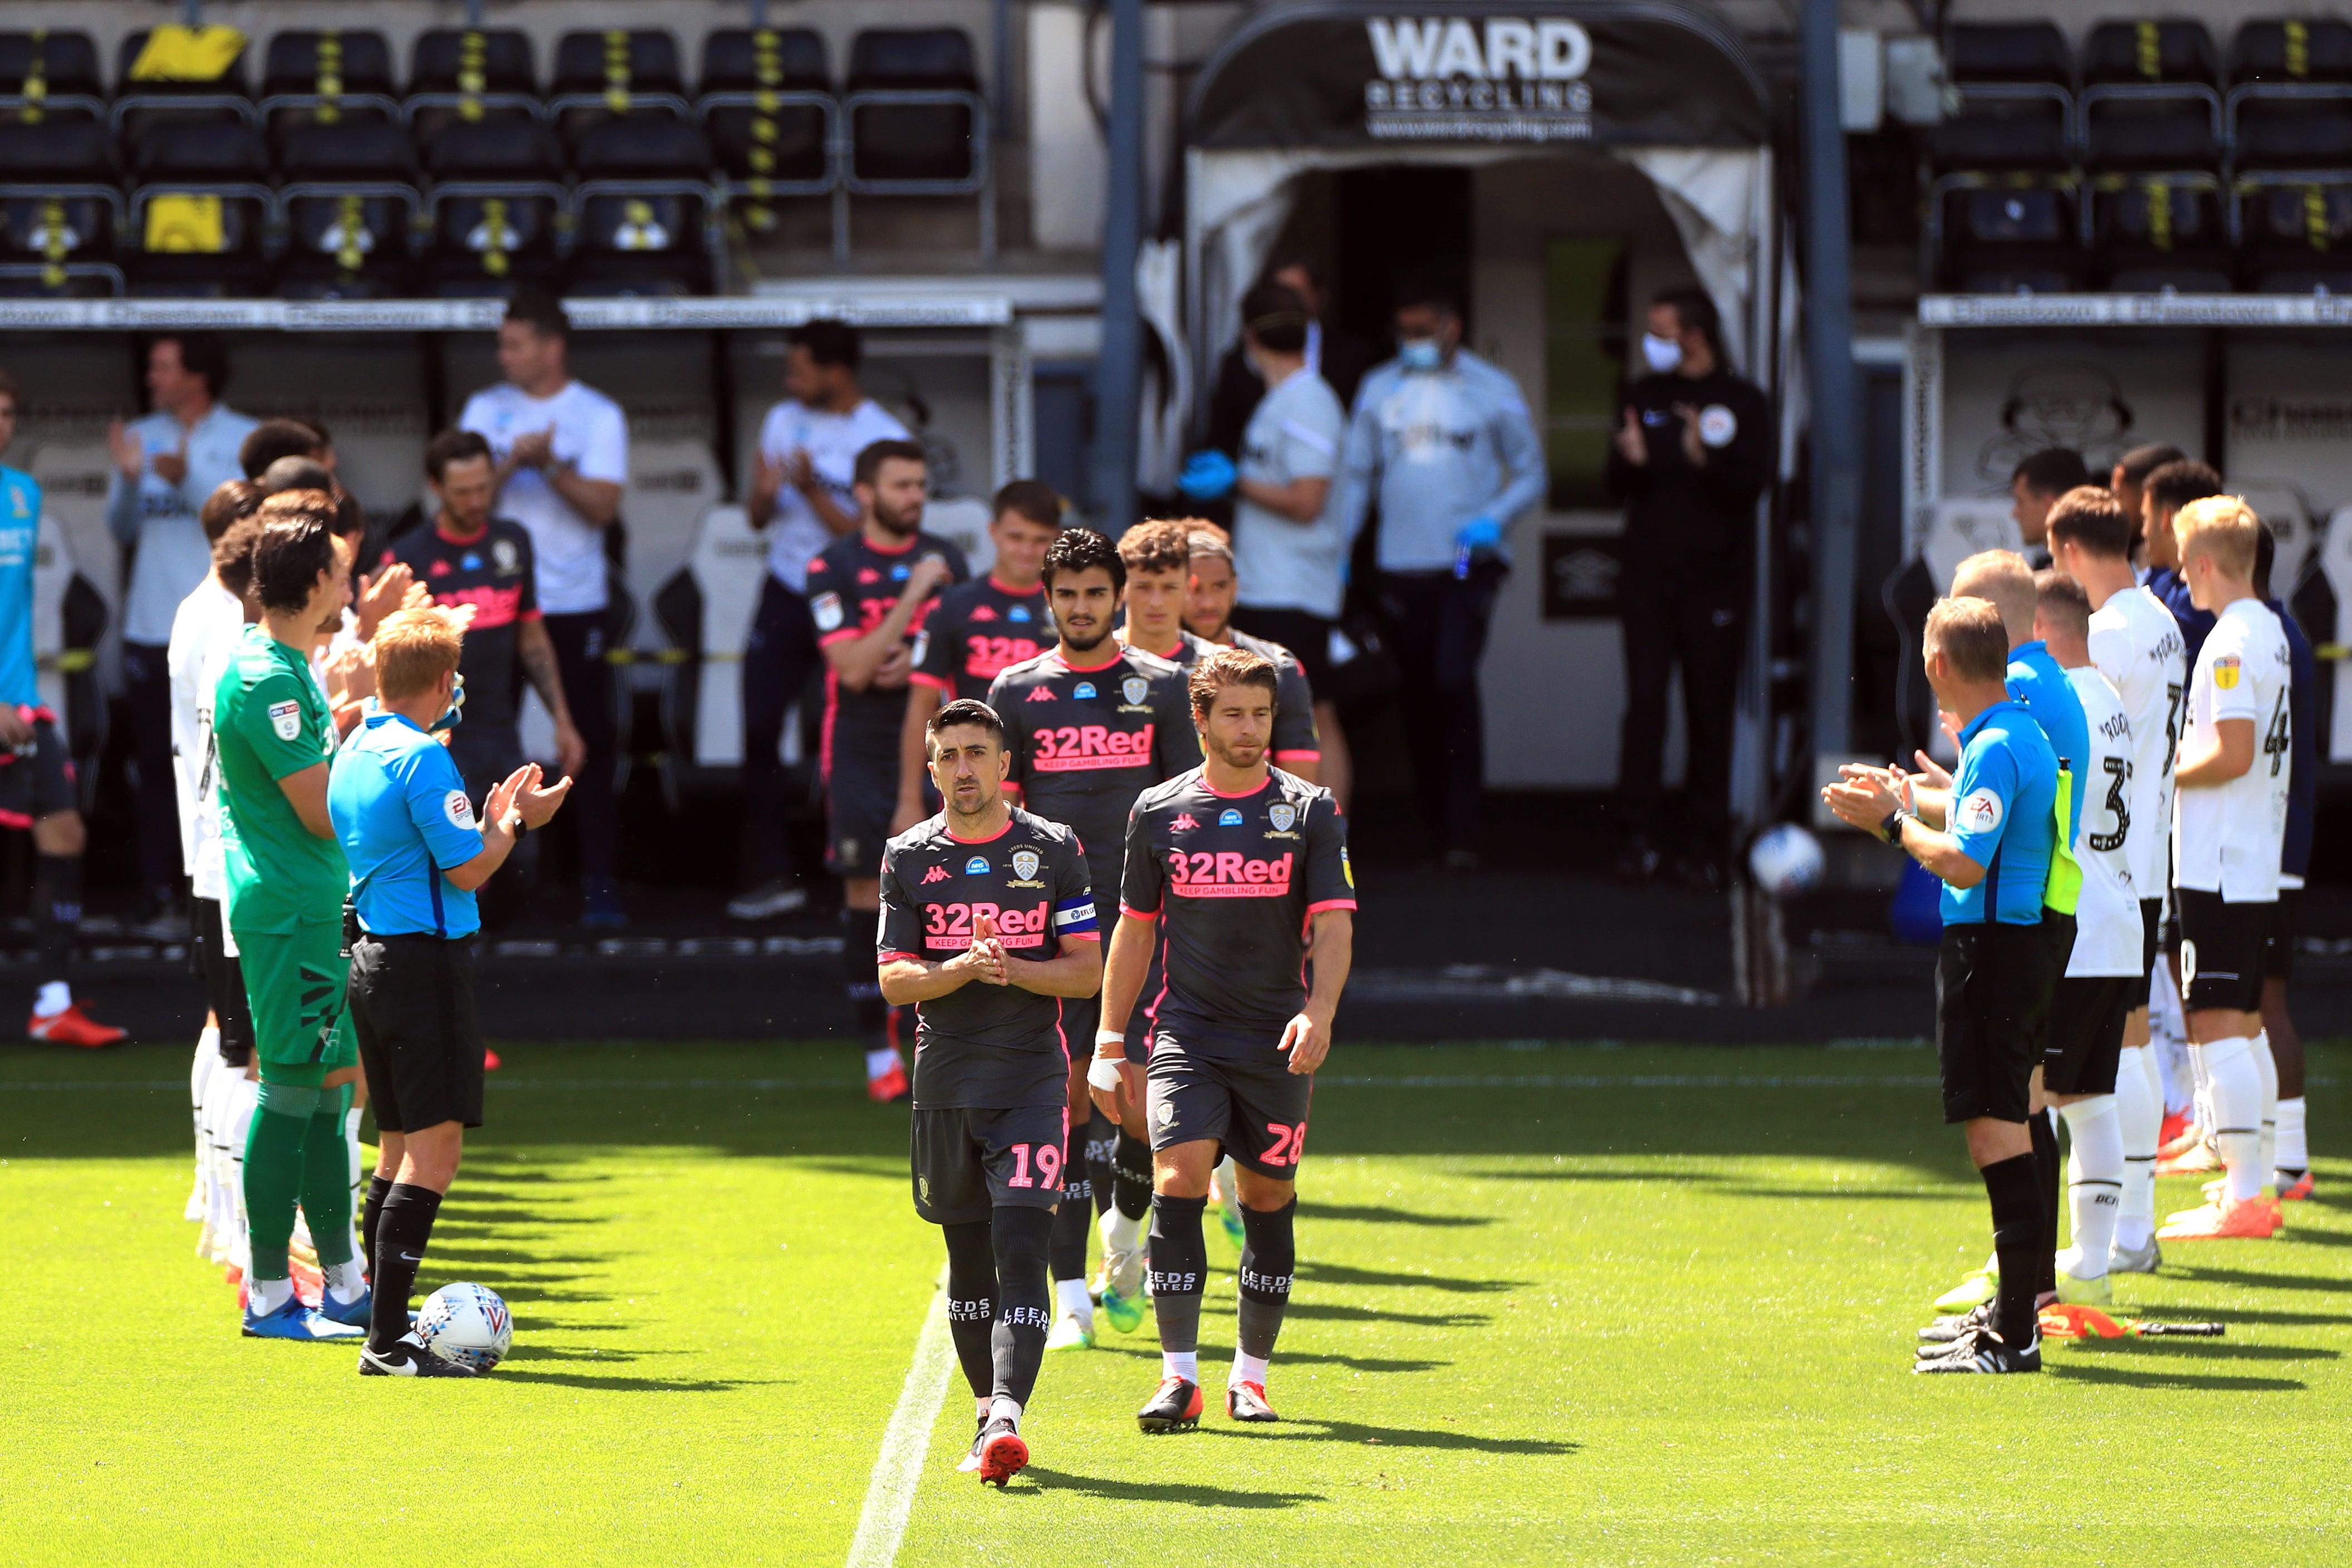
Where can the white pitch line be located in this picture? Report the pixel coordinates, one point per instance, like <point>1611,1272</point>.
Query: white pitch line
<point>899,1468</point>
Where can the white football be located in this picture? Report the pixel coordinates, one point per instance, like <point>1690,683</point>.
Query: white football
<point>465,1324</point>
<point>1785,859</point>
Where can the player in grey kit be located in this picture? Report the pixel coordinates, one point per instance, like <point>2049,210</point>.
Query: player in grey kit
<point>988,922</point>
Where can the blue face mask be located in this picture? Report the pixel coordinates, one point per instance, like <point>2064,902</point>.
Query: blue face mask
<point>1420,354</point>
<point>1661,355</point>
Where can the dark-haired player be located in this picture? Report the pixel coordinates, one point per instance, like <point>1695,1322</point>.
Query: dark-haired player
<point>1209,590</point>
<point>2128,480</point>
<point>988,925</point>
<point>979,630</point>
<point>868,593</point>
<point>282,438</point>
<point>1243,869</point>
<point>1090,725</point>
<point>2034,486</point>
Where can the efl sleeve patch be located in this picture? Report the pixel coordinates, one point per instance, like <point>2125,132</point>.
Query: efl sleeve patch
<point>286,720</point>
<point>826,608</point>
<point>2225,674</point>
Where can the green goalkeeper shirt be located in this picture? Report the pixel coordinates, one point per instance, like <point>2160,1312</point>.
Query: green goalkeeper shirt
<point>270,721</point>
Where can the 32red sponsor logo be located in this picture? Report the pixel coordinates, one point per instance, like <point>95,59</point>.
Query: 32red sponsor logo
<point>949,926</point>
<point>987,656</point>
<point>1228,874</point>
<point>1075,746</point>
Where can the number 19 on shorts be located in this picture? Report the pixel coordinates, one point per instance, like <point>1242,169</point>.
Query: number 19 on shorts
<point>1047,1158</point>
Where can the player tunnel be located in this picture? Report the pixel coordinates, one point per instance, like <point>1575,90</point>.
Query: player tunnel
<point>1557,165</point>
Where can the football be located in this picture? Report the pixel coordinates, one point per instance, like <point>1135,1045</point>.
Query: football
<point>1785,859</point>
<point>465,1324</point>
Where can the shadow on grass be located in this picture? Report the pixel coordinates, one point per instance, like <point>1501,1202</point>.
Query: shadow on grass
<point>461,1212</point>
<point>1361,1363</point>
<point>1295,1430</point>
<point>2208,1349</point>
<point>2241,1315</point>
<point>2213,1382</point>
<point>1341,1274</point>
<point>1167,1491</point>
<point>2257,1280</point>
<point>1335,1312</point>
<point>639,1384</point>
<point>1372,1213</point>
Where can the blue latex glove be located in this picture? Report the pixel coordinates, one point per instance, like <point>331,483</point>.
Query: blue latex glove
<point>1480,533</point>
<point>1208,476</point>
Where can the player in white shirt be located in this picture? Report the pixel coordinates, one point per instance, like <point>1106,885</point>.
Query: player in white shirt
<point>2135,643</point>
<point>562,450</point>
<point>800,494</point>
<point>2228,822</point>
<point>2104,982</point>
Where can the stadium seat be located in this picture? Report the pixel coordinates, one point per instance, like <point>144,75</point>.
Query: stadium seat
<point>469,75</point>
<point>642,209</point>
<point>497,213</point>
<point>614,72</point>
<point>178,75</point>
<point>917,125</point>
<point>329,78</point>
<point>2295,232</point>
<point>1959,528</point>
<point>202,213</point>
<point>2290,102</point>
<point>2154,233</point>
<point>2009,234</point>
<point>767,108</point>
<point>2149,98</point>
<point>60,209</point>
<point>2016,109</point>
<point>349,206</point>
<point>47,74</point>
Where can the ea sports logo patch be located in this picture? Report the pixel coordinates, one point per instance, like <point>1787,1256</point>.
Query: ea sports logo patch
<point>1980,813</point>
<point>1135,689</point>
<point>976,866</point>
<point>286,720</point>
<point>458,809</point>
<point>1024,864</point>
<point>1282,814</point>
<point>1717,425</point>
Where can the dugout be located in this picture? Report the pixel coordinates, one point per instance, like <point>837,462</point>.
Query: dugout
<point>951,358</point>
<point>1560,163</point>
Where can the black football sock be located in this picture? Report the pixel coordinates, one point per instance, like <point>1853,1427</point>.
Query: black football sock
<point>1024,1307</point>
<point>870,1014</point>
<point>2050,1171</point>
<point>972,1301</point>
<point>1073,1215</point>
<point>1131,1178</point>
<point>1269,1257</point>
<point>2018,1231</point>
<point>57,912</point>
<point>371,1217</point>
<point>1179,1270</point>
<point>1102,1135</point>
<point>402,1229</point>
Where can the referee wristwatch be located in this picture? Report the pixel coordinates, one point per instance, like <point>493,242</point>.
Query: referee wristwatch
<point>1892,828</point>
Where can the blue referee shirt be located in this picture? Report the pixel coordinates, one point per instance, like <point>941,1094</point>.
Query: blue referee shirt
<point>400,808</point>
<point>2004,813</point>
<point>2038,681</point>
<point>20,538</point>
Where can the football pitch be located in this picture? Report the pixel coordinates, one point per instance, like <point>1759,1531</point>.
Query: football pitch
<point>1555,1304</point>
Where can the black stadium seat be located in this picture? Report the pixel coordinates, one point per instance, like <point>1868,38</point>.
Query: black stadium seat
<point>469,75</point>
<point>2151,233</point>
<point>2295,232</point>
<point>2006,235</point>
<point>767,107</point>
<point>349,205</point>
<point>2150,98</point>
<point>200,212</point>
<point>332,77</point>
<point>47,74</point>
<point>494,206</point>
<point>2290,106</point>
<point>613,72</point>
<point>642,209</point>
<point>60,208</point>
<point>2016,107</point>
<point>916,123</point>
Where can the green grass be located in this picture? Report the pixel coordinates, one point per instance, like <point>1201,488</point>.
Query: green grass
<point>1661,1318</point>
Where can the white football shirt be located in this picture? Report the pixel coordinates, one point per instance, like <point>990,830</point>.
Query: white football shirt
<point>207,868</point>
<point>592,435</point>
<point>832,441</point>
<point>209,613</point>
<point>1295,432</point>
<point>2107,926</point>
<point>2135,644</point>
<point>2226,837</point>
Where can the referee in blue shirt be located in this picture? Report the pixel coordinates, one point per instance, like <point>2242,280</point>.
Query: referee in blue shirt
<point>1994,851</point>
<point>418,852</point>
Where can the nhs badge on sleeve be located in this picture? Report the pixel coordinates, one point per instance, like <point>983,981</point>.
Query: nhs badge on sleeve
<point>1229,817</point>
<point>1024,865</point>
<point>1135,689</point>
<point>1084,691</point>
<point>1282,814</point>
<point>286,720</point>
<point>976,866</point>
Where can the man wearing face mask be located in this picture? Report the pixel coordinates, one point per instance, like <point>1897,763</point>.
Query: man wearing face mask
<point>1441,440</point>
<point>1692,453</point>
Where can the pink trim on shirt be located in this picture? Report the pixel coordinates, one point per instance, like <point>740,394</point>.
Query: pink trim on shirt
<point>1259,788</point>
<point>1297,756</point>
<point>1117,653</point>
<point>1127,909</point>
<point>1330,904</point>
<point>919,677</point>
<point>989,839</point>
<point>1002,586</point>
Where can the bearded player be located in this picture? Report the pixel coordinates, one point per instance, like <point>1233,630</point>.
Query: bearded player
<point>988,923</point>
<point>1243,869</point>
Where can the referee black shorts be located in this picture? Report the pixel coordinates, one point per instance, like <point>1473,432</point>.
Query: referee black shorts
<point>411,1005</point>
<point>1993,985</point>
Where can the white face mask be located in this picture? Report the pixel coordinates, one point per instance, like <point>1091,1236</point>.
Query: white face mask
<point>1662,354</point>
<point>1420,354</point>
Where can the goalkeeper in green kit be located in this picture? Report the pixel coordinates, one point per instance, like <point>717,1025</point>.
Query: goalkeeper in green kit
<point>273,735</point>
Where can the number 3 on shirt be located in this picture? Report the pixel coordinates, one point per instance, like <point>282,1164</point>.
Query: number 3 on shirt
<point>1049,1166</point>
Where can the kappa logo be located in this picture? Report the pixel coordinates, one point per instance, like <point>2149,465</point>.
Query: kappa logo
<point>1135,689</point>
<point>1282,814</point>
<point>868,574</point>
<point>936,874</point>
<point>983,612</point>
<point>1185,823</point>
<point>1041,694</point>
<point>1980,812</point>
<point>1229,817</point>
<point>1024,864</point>
<point>286,720</point>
